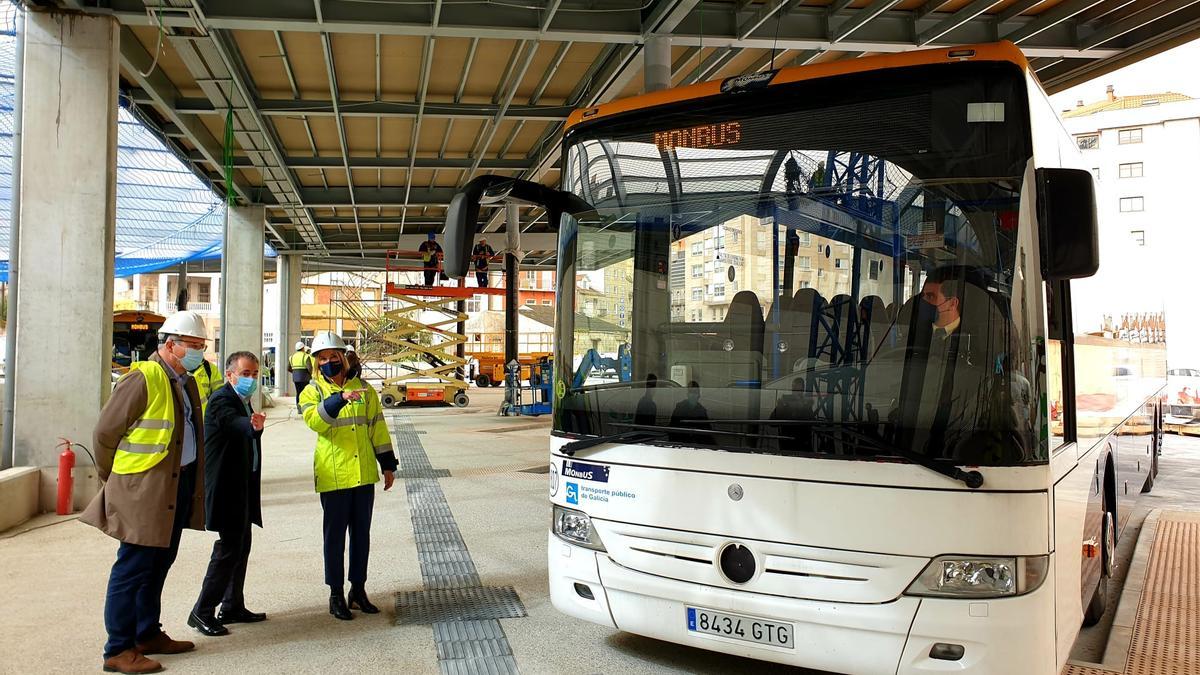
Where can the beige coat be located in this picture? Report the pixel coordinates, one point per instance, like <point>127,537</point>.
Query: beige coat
<point>140,508</point>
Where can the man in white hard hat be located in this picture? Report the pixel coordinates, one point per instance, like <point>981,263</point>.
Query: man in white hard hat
<point>148,445</point>
<point>300,366</point>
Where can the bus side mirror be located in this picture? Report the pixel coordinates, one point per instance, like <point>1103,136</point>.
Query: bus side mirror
<point>1066,200</point>
<point>462,216</point>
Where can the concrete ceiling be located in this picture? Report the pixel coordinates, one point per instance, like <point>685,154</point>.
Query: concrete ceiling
<point>356,120</point>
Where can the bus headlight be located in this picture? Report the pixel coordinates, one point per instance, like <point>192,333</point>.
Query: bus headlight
<point>576,528</point>
<point>953,576</point>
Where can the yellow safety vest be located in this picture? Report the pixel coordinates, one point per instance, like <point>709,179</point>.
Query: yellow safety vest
<point>347,445</point>
<point>205,383</point>
<point>300,361</point>
<point>145,443</point>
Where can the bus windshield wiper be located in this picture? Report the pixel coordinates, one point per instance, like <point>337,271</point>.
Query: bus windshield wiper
<point>972,479</point>
<point>622,437</point>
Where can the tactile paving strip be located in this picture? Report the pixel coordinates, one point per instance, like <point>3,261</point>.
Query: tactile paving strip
<point>458,605</point>
<point>463,613</point>
<point>1166,633</point>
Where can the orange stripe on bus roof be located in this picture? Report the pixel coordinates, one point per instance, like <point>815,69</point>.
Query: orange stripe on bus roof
<point>994,51</point>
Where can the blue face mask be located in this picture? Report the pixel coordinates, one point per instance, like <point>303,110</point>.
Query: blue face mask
<point>246,386</point>
<point>926,313</point>
<point>192,359</point>
<point>331,369</point>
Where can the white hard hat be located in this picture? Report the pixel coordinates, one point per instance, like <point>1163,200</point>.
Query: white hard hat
<point>349,348</point>
<point>185,324</point>
<point>300,344</point>
<point>327,339</point>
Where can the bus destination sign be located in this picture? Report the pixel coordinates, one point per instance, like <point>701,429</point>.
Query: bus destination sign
<point>703,136</point>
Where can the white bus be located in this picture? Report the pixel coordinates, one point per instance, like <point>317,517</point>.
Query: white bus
<point>866,428</point>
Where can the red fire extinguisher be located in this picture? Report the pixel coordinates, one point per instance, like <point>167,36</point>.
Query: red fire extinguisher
<point>66,483</point>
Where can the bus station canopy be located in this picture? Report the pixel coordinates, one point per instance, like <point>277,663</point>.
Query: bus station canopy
<point>355,122</point>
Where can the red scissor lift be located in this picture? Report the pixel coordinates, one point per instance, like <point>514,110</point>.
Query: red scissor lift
<point>425,336</point>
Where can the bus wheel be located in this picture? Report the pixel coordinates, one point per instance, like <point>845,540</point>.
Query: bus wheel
<point>482,380</point>
<point>461,400</point>
<point>388,401</point>
<point>1108,549</point>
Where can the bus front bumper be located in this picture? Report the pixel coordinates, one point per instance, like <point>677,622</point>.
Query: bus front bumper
<point>997,636</point>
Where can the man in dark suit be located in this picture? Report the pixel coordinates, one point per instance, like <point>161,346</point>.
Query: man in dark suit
<point>233,471</point>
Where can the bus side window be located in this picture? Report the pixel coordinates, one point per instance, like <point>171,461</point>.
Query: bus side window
<point>1060,396</point>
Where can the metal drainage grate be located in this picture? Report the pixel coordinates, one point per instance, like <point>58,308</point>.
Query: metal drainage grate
<point>458,604</point>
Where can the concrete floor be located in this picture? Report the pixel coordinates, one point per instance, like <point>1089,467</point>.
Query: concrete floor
<point>53,573</point>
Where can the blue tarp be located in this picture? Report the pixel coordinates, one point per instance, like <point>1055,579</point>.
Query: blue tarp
<point>165,214</point>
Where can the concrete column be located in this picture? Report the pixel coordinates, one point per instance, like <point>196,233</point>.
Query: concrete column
<point>288,273</point>
<point>242,287</point>
<point>657,54</point>
<point>67,215</point>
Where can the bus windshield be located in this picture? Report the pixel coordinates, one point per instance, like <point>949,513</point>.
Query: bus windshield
<point>833,268</point>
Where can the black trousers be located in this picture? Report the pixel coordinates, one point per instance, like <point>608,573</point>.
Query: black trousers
<point>481,278</point>
<point>301,381</point>
<point>134,600</point>
<point>225,580</point>
<point>348,509</point>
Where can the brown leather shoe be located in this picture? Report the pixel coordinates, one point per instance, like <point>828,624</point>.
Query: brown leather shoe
<point>131,661</point>
<point>162,644</point>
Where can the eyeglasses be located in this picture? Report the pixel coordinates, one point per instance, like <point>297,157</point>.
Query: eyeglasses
<point>189,345</point>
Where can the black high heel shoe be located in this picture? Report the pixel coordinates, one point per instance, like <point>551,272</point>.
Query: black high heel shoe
<point>358,597</point>
<point>338,608</point>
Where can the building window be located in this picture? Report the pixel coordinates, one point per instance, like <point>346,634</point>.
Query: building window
<point>1096,172</point>
<point>1127,136</point>
<point>546,302</point>
<point>697,247</point>
<point>805,262</point>
<point>474,305</point>
<point>531,301</point>
<point>204,291</point>
<point>1130,170</point>
<point>873,270</point>
<point>1139,237</point>
<point>697,294</point>
<point>697,271</point>
<point>308,296</point>
<point>1088,141</point>
<point>718,290</point>
<point>839,263</point>
<point>806,239</point>
<point>1132,204</point>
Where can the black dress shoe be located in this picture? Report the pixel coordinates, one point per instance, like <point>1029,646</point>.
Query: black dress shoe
<point>207,625</point>
<point>338,608</point>
<point>358,598</point>
<point>242,615</point>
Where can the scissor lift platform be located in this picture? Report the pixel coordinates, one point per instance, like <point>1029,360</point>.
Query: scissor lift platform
<point>426,350</point>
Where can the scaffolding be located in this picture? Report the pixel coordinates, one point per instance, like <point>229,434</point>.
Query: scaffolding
<point>425,338</point>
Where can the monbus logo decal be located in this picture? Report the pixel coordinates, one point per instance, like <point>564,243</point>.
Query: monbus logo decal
<point>585,471</point>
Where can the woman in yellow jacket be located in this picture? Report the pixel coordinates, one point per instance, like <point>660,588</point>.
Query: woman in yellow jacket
<point>352,437</point>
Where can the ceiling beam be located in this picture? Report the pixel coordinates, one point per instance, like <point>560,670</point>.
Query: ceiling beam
<point>803,27</point>
<point>955,20</point>
<point>319,108</point>
<point>1049,19</point>
<point>1150,14</point>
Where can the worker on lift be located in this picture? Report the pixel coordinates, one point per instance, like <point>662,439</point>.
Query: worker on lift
<point>352,437</point>
<point>431,257</point>
<point>481,254</point>
<point>149,445</point>
<point>300,366</point>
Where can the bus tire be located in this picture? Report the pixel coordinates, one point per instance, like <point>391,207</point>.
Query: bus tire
<point>482,380</point>
<point>1099,602</point>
